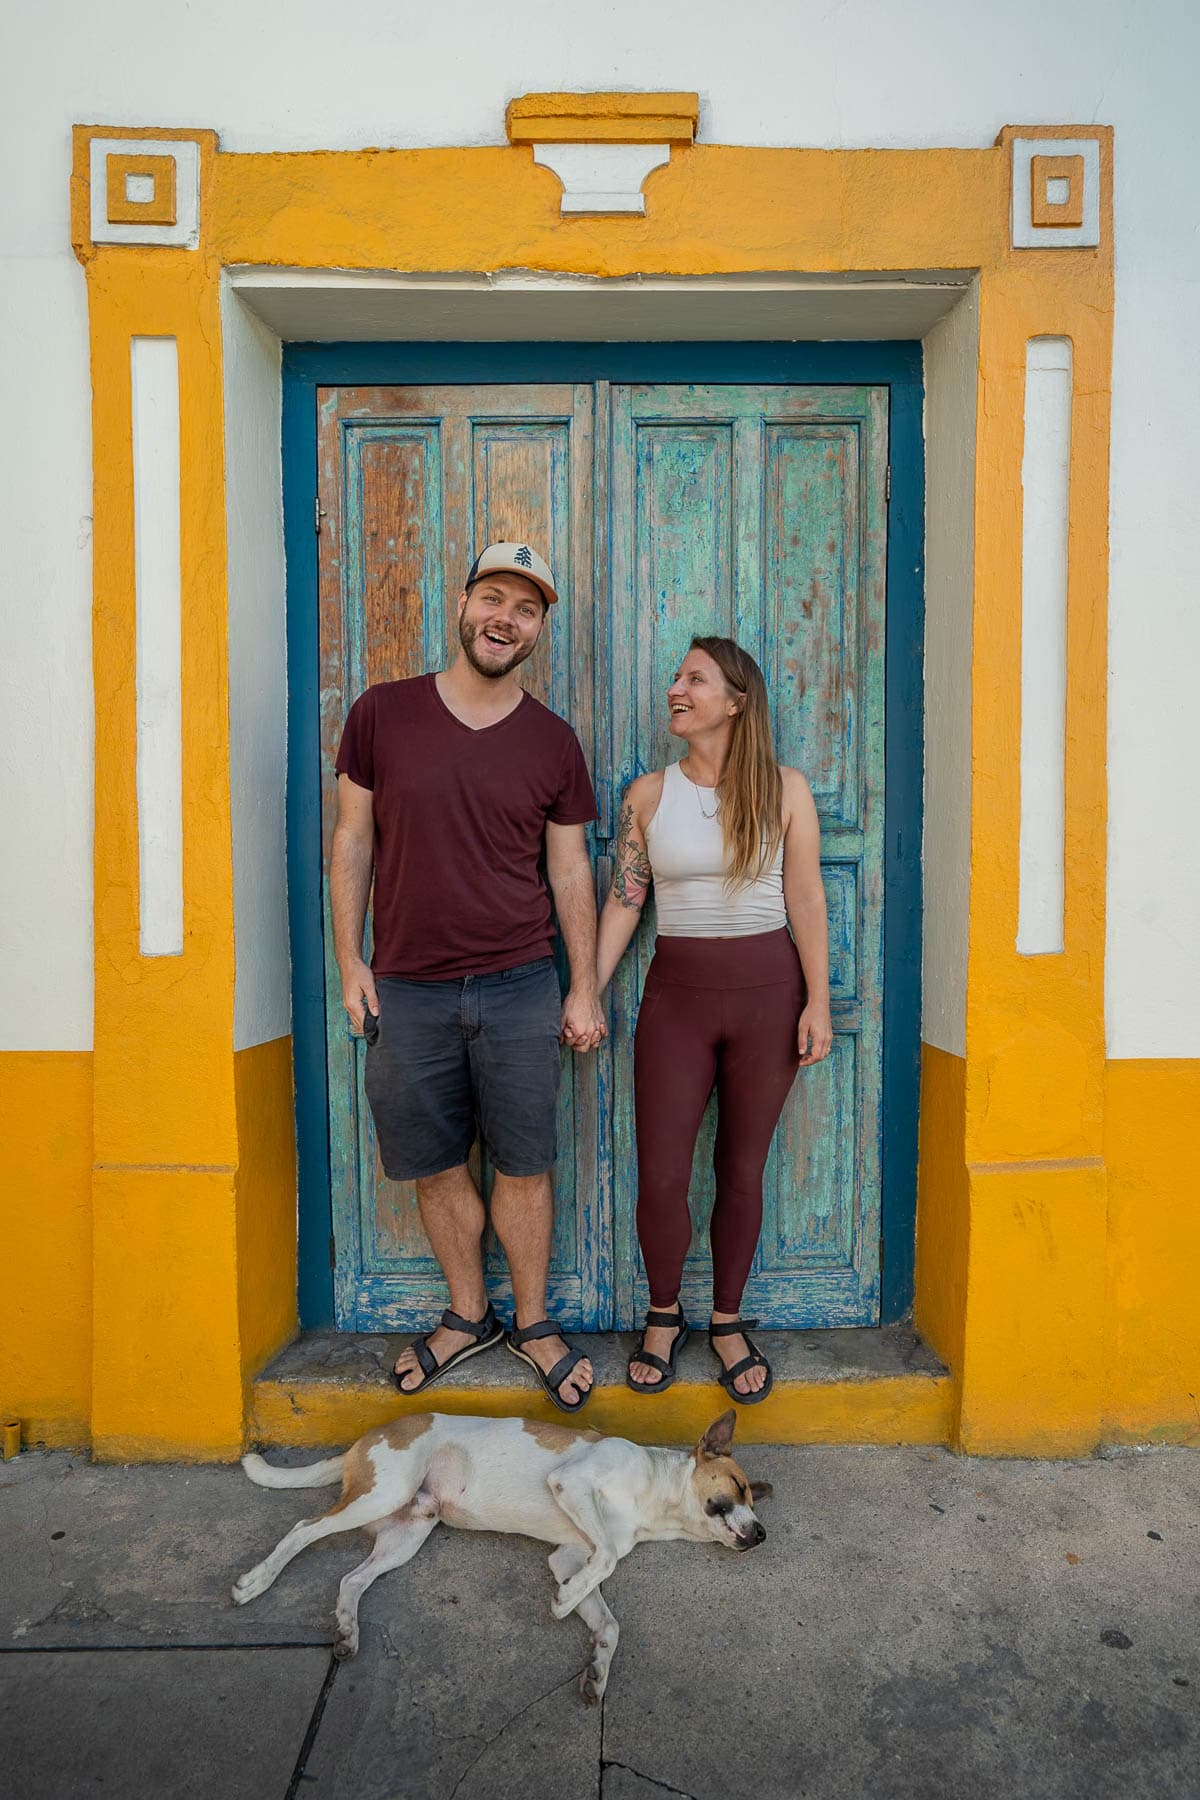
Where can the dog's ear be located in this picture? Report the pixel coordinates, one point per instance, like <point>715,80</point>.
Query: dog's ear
<point>719,1436</point>
<point>760,1490</point>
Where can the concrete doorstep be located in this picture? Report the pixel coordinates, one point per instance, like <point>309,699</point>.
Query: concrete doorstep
<point>916,1627</point>
<point>876,1386</point>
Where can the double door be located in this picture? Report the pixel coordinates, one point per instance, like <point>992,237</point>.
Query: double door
<point>752,511</point>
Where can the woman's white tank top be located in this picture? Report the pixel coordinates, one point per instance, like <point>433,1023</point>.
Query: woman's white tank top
<point>687,855</point>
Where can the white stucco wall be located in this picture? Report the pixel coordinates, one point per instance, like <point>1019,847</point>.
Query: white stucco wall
<point>257,674</point>
<point>292,74</point>
<point>45,656</point>
<point>951,360</point>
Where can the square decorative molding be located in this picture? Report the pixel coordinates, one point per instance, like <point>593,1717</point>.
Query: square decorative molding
<point>1056,190</point>
<point>145,191</point>
<point>1055,193</point>
<point>141,190</point>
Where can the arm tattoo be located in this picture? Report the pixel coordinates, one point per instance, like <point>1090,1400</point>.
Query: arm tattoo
<point>633,875</point>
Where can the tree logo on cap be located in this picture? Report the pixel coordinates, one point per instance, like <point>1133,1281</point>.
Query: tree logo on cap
<point>524,556</point>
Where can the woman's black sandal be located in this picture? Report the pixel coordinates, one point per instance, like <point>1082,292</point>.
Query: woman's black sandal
<point>641,1354</point>
<point>551,1379</point>
<point>486,1332</point>
<point>755,1360</point>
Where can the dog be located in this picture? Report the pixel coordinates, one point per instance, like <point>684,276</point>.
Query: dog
<point>592,1497</point>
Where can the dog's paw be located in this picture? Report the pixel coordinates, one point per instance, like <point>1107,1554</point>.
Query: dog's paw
<point>563,1603</point>
<point>345,1647</point>
<point>247,1587</point>
<point>592,1684</point>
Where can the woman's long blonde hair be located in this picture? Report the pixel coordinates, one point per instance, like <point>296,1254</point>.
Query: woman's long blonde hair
<point>751,792</point>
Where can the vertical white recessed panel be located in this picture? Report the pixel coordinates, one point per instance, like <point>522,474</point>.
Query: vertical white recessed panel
<point>1045,483</point>
<point>155,381</point>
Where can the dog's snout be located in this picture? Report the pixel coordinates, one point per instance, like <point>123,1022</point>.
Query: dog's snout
<point>755,1535</point>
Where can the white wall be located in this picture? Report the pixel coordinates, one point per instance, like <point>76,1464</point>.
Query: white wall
<point>294,74</point>
<point>951,361</point>
<point>45,654</point>
<point>257,674</point>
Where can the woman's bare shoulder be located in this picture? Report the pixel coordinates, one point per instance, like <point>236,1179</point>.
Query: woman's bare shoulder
<point>796,791</point>
<point>642,798</point>
<point>645,790</point>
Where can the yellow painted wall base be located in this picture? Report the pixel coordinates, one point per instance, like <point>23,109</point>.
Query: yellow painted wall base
<point>202,1291</point>
<point>46,1231</point>
<point>195,1282</point>
<point>1032,1370</point>
<point>167,1380</point>
<point>191,1278</point>
<point>1152,1150</point>
<point>1062,1295</point>
<point>904,1409</point>
<point>939,1306</point>
<point>1009,1283</point>
<point>266,1201</point>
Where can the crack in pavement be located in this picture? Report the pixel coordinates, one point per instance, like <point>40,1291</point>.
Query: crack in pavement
<point>299,1771</point>
<point>497,1735</point>
<point>612,1763</point>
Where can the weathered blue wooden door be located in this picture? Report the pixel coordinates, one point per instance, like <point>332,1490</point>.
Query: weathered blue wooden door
<point>411,482</point>
<point>756,511</point>
<point>759,513</point>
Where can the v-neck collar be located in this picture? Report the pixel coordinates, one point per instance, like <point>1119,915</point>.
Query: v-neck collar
<point>474,730</point>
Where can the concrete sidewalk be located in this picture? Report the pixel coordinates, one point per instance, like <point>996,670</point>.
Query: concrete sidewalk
<point>917,1626</point>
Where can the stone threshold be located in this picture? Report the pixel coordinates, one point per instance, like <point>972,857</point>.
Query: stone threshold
<point>856,1386</point>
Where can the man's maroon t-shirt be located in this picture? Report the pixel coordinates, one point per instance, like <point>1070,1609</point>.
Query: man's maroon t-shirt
<point>460,818</point>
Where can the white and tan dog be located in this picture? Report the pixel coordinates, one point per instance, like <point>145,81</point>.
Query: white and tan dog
<point>592,1497</point>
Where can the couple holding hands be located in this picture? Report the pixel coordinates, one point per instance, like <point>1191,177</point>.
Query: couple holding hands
<point>454,791</point>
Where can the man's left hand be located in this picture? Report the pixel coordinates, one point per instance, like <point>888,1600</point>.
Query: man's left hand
<point>583,1024</point>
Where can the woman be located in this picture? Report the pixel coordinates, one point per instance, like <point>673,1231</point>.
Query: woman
<point>731,843</point>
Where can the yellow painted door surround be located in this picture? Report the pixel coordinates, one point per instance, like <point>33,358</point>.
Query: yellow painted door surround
<point>192,1243</point>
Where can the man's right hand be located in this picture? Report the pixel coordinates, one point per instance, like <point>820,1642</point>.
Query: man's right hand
<point>358,987</point>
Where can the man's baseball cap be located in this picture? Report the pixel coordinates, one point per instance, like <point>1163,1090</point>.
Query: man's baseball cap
<point>514,559</point>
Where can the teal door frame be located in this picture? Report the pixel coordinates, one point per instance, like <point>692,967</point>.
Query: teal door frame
<point>898,366</point>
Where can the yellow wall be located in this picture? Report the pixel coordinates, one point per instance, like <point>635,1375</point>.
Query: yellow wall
<point>168,1382</point>
<point>1152,1150</point>
<point>939,1305</point>
<point>195,1281</point>
<point>46,1233</point>
<point>266,1201</point>
<point>1032,1368</point>
<point>1063,1294</point>
<point>192,1273</point>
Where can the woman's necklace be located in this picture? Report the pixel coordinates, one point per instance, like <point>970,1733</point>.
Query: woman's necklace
<point>695,787</point>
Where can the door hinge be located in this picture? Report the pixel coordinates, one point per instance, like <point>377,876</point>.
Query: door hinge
<point>317,514</point>
<point>887,486</point>
<point>332,1252</point>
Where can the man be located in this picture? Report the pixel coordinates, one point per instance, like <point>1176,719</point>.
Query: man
<point>451,787</point>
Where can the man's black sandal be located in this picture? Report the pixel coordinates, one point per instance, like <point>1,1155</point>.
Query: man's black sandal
<point>755,1360</point>
<point>551,1379</point>
<point>486,1332</point>
<point>641,1354</point>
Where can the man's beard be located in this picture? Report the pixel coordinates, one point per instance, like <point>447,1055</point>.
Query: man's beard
<point>491,671</point>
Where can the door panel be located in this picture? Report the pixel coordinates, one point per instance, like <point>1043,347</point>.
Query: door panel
<point>757,512</point>
<point>411,482</point>
<point>752,511</point>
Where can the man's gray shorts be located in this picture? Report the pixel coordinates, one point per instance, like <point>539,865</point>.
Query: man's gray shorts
<point>450,1060</point>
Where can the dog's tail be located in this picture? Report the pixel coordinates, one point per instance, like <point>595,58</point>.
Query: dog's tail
<point>321,1474</point>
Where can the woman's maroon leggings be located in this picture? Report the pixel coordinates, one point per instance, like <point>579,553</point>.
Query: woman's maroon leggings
<point>721,1010</point>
